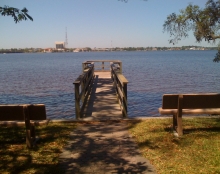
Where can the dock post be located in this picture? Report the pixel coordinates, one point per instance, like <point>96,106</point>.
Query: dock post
<point>77,101</point>
<point>83,67</point>
<point>103,66</point>
<point>120,64</point>
<point>125,100</point>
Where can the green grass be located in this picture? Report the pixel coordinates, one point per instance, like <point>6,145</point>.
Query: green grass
<point>197,151</point>
<point>15,157</point>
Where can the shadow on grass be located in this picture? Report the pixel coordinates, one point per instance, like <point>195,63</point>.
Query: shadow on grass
<point>15,157</point>
<point>198,125</point>
<point>155,133</point>
<point>199,149</point>
<point>209,129</point>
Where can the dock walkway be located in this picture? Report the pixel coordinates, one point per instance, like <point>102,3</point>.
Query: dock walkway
<point>102,103</point>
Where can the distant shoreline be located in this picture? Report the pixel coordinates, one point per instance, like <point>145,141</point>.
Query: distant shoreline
<point>102,51</point>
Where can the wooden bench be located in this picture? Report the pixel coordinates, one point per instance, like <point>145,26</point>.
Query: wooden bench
<point>179,104</point>
<point>26,113</point>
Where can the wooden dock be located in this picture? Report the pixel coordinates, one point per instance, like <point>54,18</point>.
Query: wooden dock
<point>103,93</point>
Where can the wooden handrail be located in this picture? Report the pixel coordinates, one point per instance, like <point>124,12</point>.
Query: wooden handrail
<point>120,85</point>
<point>103,66</point>
<point>83,85</point>
<point>84,82</point>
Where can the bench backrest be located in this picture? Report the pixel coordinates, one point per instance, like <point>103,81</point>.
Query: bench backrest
<point>191,101</point>
<point>17,112</point>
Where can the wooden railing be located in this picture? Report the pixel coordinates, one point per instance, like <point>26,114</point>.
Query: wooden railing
<point>84,82</point>
<point>102,65</point>
<point>83,85</point>
<point>120,85</point>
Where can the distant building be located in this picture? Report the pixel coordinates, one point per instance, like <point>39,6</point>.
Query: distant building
<point>192,48</point>
<point>48,50</point>
<point>60,45</point>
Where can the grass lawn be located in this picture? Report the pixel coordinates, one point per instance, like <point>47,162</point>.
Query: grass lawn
<point>16,158</point>
<point>197,151</point>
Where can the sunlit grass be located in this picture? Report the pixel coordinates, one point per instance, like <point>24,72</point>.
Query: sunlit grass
<point>15,157</point>
<point>197,151</point>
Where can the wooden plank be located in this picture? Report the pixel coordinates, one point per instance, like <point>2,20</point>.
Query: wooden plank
<point>102,103</point>
<point>16,112</point>
<point>190,111</point>
<point>11,112</point>
<point>201,101</point>
<point>192,101</point>
<point>104,61</point>
<point>122,78</point>
<point>170,101</point>
<point>37,112</point>
<point>22,123</point>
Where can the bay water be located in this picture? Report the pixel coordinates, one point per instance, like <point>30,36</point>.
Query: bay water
<point>48,78</point>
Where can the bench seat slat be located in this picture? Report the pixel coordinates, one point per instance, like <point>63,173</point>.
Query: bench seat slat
<point>22,123</point>
<point>190,111</point>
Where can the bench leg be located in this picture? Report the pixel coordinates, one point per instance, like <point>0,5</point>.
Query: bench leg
<point>28,135</point>
<point>179,116</point>
<point>180,126</point>
<point>28,128</point>
<point>175,122</point>
<point>33,135</point>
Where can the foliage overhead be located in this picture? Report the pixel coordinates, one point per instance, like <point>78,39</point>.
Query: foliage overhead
<point>204,22</point>
<point>17,14</point>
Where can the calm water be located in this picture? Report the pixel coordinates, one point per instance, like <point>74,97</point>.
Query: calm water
<point>48,78</point>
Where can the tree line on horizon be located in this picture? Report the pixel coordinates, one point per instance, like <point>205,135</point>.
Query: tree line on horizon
<point>88,49</point>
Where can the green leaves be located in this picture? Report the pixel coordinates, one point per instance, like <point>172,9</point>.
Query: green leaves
<point>217,56</point>
<point>205,23</point>
<point>17,14</point>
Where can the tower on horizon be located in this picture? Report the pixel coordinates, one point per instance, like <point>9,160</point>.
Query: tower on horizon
<point>66,42</point>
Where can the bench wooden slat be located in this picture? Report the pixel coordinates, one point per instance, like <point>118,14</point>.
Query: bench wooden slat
<point>11,112</point>
<point>170,101</point>
<point>22,123</point>
<point>16,112</point>
<point>190,111</point>
<point>37,112</point>
<point>201,101</point>
<point>191,101</point>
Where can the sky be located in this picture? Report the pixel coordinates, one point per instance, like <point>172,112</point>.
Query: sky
<point>92,23</point>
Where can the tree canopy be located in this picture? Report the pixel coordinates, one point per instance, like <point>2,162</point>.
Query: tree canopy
<point>204,22</point>
<point>17,14</point>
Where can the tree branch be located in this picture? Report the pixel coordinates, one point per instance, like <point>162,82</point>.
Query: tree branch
<point>17,14</point>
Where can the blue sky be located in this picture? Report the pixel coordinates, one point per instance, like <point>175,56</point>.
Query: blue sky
<point>92,23</point>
